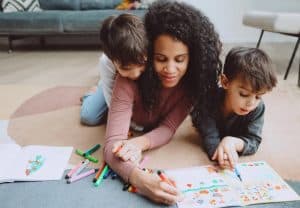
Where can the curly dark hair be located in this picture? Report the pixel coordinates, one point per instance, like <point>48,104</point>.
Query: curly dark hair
<point>190,26</point>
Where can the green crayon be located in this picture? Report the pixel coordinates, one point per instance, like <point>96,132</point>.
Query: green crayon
<point>89,157</point>
<point>100,179</point>
<point>92,150</point>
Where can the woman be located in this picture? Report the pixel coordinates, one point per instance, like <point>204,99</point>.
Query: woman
<point>182,69</point>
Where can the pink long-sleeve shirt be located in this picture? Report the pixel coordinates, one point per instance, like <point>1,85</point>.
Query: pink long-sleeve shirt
<point>126,105</point>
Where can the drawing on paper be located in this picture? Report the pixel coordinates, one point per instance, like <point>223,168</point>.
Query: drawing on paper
<point>34,165</point>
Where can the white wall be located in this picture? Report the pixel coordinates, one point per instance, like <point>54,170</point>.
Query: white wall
<point>227,17</point>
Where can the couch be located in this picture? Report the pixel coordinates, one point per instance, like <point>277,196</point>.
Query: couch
<point>60,17</point>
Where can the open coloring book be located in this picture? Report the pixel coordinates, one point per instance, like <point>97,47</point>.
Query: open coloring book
<point>210,186</point>
<point>32,163</point>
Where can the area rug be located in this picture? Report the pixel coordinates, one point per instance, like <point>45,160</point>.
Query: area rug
<point>50,116</point>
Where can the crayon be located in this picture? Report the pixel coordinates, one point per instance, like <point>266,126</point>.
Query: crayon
<point>164,178</point>
<point>89,157</point>
<point>99,172</point>
<point>132,189</point>
<point>91,150</point>
<point>107,173</point>
<point>119,148</point>
<point>237,172</point>
<point>100,179</point>
<point>82,166</point>
<point>72,171</point>
<point>113,175</point>
<point>80,176</point>
<point>126,186</point>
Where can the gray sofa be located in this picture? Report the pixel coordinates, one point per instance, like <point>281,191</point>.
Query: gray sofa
<point>59,17</point>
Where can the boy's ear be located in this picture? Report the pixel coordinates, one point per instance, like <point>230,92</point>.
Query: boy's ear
<point>224,81</point>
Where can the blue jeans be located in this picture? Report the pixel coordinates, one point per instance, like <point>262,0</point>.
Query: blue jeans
<point>93,108</point>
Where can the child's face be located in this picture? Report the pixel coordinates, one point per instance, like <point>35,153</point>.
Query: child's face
<point>240,98</point>
<point>132,71</point>
<point>171,58</point>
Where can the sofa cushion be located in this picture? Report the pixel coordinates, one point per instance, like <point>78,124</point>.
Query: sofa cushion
<point>90,21</point>
<point>98,4</point>
<point>31,23</point>
<point>273,21</point>
<point>60,4</point>
<point>20,5</point>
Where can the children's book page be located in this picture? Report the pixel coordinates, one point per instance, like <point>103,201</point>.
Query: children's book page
<point>204,187</point>
<point>211,186</point>
<point>261,184</point>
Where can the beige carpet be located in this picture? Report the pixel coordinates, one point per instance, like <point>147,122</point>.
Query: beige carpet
<point>50,116</point>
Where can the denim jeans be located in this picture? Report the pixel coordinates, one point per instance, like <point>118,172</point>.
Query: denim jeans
<point>93,108</point>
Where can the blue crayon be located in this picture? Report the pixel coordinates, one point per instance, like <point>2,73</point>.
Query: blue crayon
<point>107,174</point>
<point>238,174</point>
<point>113,175</point>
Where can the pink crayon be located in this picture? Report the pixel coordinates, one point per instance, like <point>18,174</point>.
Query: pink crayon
<point>80,176</point>
<point>69,175</point>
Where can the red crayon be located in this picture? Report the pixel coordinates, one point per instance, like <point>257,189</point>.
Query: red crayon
<point>164,178</point>
<point>132,189</point>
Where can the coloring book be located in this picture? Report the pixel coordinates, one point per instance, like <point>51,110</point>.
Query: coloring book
<point>211,186</point>
<point>32,163</point>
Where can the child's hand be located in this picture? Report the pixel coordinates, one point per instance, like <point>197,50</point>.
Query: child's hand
<point>151,186</point>
<point>227,151</point>
<point>128,150</point>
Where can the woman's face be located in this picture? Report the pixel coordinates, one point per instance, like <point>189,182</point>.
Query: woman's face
<point>171,58</point>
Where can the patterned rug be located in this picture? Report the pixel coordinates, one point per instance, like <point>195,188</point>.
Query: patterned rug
<point>50,116</point>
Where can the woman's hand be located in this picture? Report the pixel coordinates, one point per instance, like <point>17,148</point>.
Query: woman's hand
<point>130,149</point>
<point>151,186</point>
<point>227,151</point>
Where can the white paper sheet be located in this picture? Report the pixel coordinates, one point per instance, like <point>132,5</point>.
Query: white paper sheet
<point>20,164</point>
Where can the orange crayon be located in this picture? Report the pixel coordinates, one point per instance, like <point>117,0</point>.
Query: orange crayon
<point>118,149</point>
<point>99,172</point>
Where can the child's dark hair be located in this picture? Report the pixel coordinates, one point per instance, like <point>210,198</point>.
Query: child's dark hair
<point>124,39</point>
<point>188,25</point>
<point>252,65</point>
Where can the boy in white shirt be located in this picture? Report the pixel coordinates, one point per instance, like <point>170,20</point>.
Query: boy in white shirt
<point>124,45</point>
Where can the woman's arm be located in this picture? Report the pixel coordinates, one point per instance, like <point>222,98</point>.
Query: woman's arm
<point>119,117</point>
<point>118,122</point>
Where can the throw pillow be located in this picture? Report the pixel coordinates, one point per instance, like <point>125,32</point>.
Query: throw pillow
<point>20,5</point>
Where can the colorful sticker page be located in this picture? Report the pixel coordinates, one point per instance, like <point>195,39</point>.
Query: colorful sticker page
<point>210,186</point>
<point>261,184</point>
